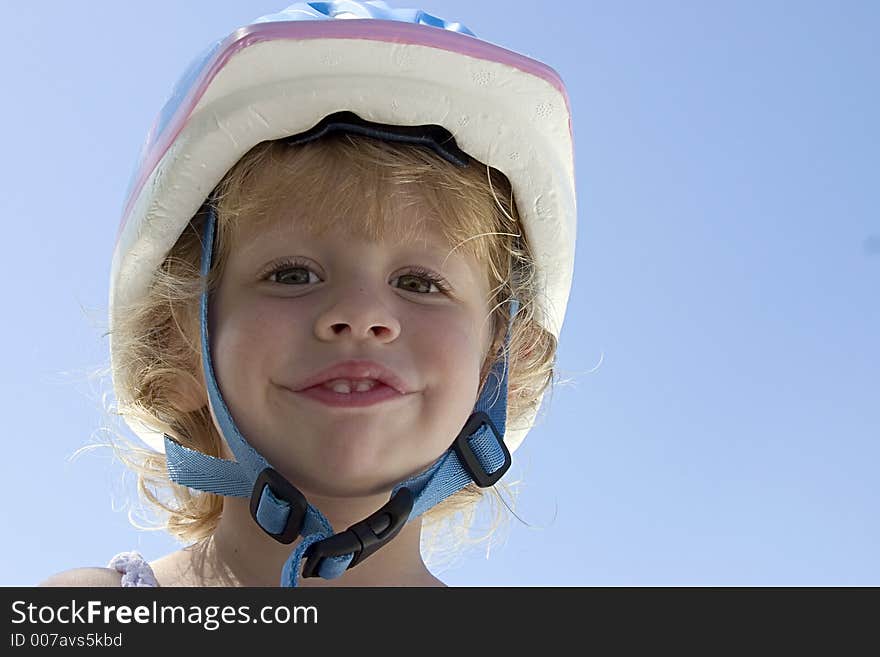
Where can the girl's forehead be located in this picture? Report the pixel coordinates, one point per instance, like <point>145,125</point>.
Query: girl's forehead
<point>412,229</point>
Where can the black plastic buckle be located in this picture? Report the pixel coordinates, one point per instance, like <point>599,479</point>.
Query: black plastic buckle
<point>471,461</point>
<point>283,490</point>
<point>364,537</point>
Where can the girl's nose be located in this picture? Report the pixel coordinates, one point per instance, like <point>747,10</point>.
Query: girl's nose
<point>359,317</point>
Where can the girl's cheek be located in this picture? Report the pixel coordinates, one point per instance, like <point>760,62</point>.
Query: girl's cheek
<point>454,337</point>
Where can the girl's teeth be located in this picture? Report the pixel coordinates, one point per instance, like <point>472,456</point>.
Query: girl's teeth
<point>345,387</point>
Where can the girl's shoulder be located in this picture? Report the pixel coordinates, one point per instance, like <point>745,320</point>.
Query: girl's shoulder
<point>125,569</point>
<point>85,577</point>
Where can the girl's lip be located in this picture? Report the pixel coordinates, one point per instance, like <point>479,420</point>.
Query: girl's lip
<point>357,369</point>
<point>376,395</point>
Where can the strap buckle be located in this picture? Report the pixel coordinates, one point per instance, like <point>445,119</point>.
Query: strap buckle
<point>469,460</point>
<point>282,490</point>
<point>364,537</point>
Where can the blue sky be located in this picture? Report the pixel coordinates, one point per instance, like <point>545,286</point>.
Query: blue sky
<point>719,424</point>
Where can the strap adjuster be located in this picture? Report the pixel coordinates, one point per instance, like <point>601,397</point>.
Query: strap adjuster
<point>470,461</point>
<point>283,490</point>
<point>364,537</point>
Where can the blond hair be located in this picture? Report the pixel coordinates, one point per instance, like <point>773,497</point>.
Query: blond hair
<point>158,337</point>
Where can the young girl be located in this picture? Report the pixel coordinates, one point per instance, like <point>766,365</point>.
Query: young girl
<point>336,294</point>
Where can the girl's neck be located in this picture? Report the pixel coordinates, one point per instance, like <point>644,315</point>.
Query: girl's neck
<point>239,553</point>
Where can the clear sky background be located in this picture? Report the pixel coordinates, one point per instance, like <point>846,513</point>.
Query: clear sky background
<point>721,419</point>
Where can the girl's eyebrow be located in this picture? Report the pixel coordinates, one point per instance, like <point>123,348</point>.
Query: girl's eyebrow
<point>424,241</point>
<point>436,252</point>
<point>267,245</point>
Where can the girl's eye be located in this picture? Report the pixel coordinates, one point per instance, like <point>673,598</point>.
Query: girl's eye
<point>415,283</point>
<point>417,280</point>
<point>280,274</point>
<point>418,275</point>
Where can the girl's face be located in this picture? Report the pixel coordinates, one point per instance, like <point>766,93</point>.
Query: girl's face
<point>291,304</point>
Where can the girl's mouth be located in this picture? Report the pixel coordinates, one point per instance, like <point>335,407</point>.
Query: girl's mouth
<point>377,394</point>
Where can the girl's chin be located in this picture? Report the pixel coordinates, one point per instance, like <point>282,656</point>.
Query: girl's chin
<point>342,484</point>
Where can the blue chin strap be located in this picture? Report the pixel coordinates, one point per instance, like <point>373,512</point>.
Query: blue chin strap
<point>478,455</point>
